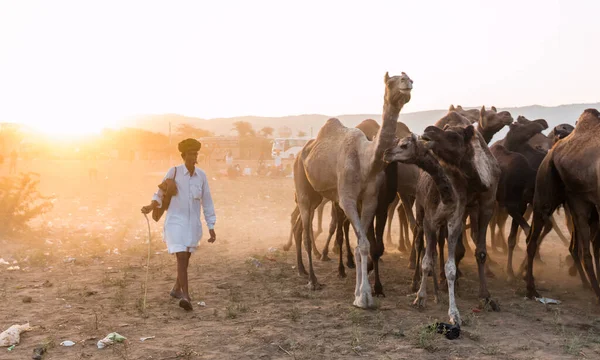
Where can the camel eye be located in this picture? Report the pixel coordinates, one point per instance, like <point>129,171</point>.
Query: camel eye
<point>404,146</point>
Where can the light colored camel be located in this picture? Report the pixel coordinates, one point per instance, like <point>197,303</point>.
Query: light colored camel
<point>345,167</point>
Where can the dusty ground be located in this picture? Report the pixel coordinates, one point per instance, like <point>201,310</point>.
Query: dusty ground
<point>251,312</point>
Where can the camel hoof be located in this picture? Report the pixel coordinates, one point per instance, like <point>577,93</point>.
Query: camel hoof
<point>378,291</point>
<point>511,278</point>
<point>490,304</point>
<point>351,265</point>
<point>420,302</point>
<point>314,286</point>
<point>302,273</point>
<point>341,274</point>
<point>286,247</point>
<point>412,265</point>
<point>364,300</point>
<point>490,274</point>
<point>532,294</point>
<point>324,257</point>
<point>317,254</point>
<point>402,249</point>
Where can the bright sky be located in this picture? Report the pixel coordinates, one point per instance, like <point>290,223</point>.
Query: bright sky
<point>77,66</point>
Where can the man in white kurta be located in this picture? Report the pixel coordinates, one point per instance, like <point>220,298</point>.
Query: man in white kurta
<point>182,227</point>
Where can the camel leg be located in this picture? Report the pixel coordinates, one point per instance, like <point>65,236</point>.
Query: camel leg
<point>501,240</point>
<point>349,257</point>
<point>404,225</point>
<point>408,202</point>
<point>339,239</point>
<point>295,216</point>
<point>455,226</point>
<point>390,218</point>
<point>559,232</point>
<point>308,200</point>
<point>332,227</point>
<point>574,251</point>
<point>441,242</point>
<point>581,211</point>
<point>419,245</point>
<point>320,210</point>
<point>512,241</point>
<point>526,216</point>
<point>493,225</point>
<point>480,225</point>
<point>362,292</point>
<point>297,229</point>
<point>427,265</point>
<point>594,227</point>
<point>378,247</point>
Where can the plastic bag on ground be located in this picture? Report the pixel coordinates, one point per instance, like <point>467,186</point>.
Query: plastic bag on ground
<point>110,339</point>
<point>12,335</point>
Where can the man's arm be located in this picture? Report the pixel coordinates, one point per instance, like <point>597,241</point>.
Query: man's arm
<point>208,206</point>
<point>158,195</point>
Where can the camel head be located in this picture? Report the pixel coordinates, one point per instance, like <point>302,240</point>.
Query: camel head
<point>451,143</point>
<point>523,120</point>
<point>407,150</point>
<point>397,89</point>
<point>561,131</point>
<point>472,114</point>
<point>492,120</point>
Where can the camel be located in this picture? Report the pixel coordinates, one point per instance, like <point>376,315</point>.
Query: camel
<point>534,150</point>
<point>517,180</point>
<point>570,174</point>
<point>345,167</point>
<point>446,157</point>
<point>481,198</point>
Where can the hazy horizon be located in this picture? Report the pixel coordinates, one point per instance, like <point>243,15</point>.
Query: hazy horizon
<point>77,67</point>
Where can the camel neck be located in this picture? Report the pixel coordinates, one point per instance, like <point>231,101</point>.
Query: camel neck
<point>386,134</point>
<point>487,135</point>
<point>431,165</point>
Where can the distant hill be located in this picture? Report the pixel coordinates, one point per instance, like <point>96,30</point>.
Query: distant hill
<point>416,121</point>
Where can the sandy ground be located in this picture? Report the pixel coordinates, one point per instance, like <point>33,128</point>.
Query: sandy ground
<point>251,312</point>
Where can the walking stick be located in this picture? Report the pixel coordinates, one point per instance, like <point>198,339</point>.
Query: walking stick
<point>147,263</point>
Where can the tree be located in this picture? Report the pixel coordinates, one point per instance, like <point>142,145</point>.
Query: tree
<point>267,131</point>
<point>301,133</point>
<point>190,131</point>
<point>243,128</point>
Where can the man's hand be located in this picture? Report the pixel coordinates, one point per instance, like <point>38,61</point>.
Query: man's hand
<point>213,236</point>
<point>148,208</point>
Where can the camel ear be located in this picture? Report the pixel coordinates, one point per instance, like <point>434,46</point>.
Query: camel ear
<point>458,107</point>
<point>414,137</point>
<point>386,77</point>
<point>446,127</point>
<point>469,132</point>
<point>482,118</point>
<point>451,108</point>
<point>494,109</point>
<point>542,122</point>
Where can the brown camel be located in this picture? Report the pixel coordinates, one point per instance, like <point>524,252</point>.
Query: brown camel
<point>441,196</point>
<point>570,174</point>
<point>345,167</point>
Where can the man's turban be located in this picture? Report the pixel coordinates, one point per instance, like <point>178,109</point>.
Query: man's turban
<point>189,145</point>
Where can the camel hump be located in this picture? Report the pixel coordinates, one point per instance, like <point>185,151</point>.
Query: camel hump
<point>332,126</point>
<point>588,120</point>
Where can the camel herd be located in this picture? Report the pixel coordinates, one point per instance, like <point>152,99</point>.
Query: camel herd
<point>455,181</point>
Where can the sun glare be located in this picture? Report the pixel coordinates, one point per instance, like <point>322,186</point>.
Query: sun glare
<point>69,129</point>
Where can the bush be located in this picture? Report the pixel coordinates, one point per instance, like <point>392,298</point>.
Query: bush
<point>20,201</point>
